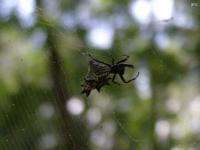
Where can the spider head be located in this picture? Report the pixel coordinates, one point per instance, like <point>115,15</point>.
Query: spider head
<point>118,68</point>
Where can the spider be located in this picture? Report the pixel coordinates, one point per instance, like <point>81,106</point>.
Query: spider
<point>99,68</point>
<point>99,74</point>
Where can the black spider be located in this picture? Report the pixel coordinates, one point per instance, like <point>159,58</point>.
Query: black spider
<point>99,74</point>
<point>100,68</point>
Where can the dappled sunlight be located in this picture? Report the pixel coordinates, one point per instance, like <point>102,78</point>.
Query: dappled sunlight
<point>109,127</point>
<point>38,38</point>
<point>141,10</point>
<point>25,11</point>
<point>162,129</point>
<point>194,109</point>
<point>180,129</point>
<point>124,105</point>
<point>101,36</point>
<point>162,40</point>
<point>143,84</point>
<point>46,111</point>
<point>93,116</point>
<point>173,105</point>
<point>162,10</point>
<point>180,103</point>
<point>183,20</point>
<point>104,129</point>
<point>48,141</point>
<point>75,106</point>
<point>51,9</point>
<point>100,139</point>
<point>67,20</point>
<point>6,7</point>
<point>195,125</point>
<point>177,148</point>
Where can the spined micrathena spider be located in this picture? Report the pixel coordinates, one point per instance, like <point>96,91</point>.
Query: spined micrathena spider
<point>99,74</point>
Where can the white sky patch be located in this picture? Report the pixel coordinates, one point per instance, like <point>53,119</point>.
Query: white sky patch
<point>162,9</point>
<point>6,7</point>
<point>75,106</point>
<point>143,84</point>
<point>183,19</point>
<point>162,40</point>
<point>162,129</point>
<point>101,36</point>
<point>25,9</point>
<point>141,10</point>
<point>52,9</point>
<point>38,38</point>
<point>68,20</point>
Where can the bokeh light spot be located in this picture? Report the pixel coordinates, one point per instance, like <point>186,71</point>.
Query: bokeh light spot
<point>75,106</point>
<point>162,10</point>
<point>162,129</point>
<point>141,10</point>
<point>101,36</point>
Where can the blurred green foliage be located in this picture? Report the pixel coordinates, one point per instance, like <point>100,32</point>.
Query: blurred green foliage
<point>159,111</point>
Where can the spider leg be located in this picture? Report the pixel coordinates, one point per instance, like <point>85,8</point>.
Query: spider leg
<point>121,76</point>
<point>107,82</point>
<point>113,80</point>
<point>101,84</point>
<point>135,76</point>
<point>113,61</point>
<point>123,60</point>
<point>128,65</point>
<point>99,61</point>
<point>86,92</point>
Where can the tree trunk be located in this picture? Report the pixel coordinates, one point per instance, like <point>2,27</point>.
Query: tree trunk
<point>61,93</point>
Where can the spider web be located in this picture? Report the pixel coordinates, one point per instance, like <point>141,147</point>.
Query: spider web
<point>101,113</point>
<point>48,140</point>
